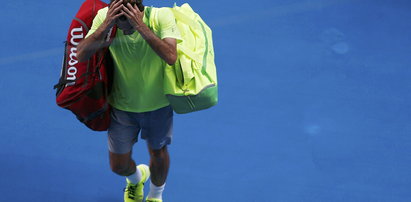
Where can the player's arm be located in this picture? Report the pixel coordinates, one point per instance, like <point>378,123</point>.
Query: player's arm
<point>97,39</point>
<point>165,48</point>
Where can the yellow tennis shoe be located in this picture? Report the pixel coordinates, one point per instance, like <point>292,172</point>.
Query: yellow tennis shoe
<point>135,192</point>
<point>153,200</point>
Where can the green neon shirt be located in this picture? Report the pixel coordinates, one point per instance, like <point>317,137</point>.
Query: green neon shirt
<point>138,70</point>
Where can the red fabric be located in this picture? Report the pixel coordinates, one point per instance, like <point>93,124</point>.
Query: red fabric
<point>84,85</point>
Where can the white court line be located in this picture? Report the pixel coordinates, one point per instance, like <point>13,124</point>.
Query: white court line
<point>271,12</point>
<point>276,11</point>
<point>33,56</point>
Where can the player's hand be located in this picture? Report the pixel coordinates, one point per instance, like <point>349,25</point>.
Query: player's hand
<point>113,13</point>
<point>134,16</point>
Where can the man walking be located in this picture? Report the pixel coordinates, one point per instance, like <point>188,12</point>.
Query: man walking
<point>139,104</point>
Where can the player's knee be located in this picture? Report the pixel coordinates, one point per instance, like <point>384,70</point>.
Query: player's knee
<point>159,153</point>
<point>119,169</point>
<point>122,164</point>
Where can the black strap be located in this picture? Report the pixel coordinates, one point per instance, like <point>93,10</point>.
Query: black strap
<point>94,114</point>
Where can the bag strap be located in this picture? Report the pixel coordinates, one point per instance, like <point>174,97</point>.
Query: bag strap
<point>62,81</point>
<point>197,25</point>
<point>109,38</point>
<point>148,12</point>
<point>180,16</point>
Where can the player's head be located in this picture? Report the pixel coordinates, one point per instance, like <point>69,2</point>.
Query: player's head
<point>122,22</point>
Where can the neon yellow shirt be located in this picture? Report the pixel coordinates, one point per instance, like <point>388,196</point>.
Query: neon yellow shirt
<point>138,70</point>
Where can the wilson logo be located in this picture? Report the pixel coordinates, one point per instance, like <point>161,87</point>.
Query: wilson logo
<point>76,36</point>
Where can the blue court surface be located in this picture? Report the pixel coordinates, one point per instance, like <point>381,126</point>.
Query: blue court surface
<point>314,105</point>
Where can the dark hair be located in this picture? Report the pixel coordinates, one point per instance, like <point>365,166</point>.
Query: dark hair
<point>133,2</point>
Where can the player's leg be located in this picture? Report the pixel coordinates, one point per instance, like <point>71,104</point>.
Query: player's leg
<point>122,164</point>
<point>159,165</point>
<point>157,131</point>
<point>122,135</point>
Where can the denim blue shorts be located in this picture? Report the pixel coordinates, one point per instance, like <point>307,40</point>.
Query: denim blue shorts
<point>155,126</point>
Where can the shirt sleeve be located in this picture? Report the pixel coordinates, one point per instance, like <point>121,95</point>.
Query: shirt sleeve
<point>97,21</point>
<point>167,24</point>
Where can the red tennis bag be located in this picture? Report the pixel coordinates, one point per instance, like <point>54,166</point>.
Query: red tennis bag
<point>84,86</point>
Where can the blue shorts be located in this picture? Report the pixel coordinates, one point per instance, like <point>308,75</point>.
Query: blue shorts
<point>155,126</point>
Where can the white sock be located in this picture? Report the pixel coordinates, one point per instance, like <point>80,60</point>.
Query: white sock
<point>135,178</point>
<point>156,192</point>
